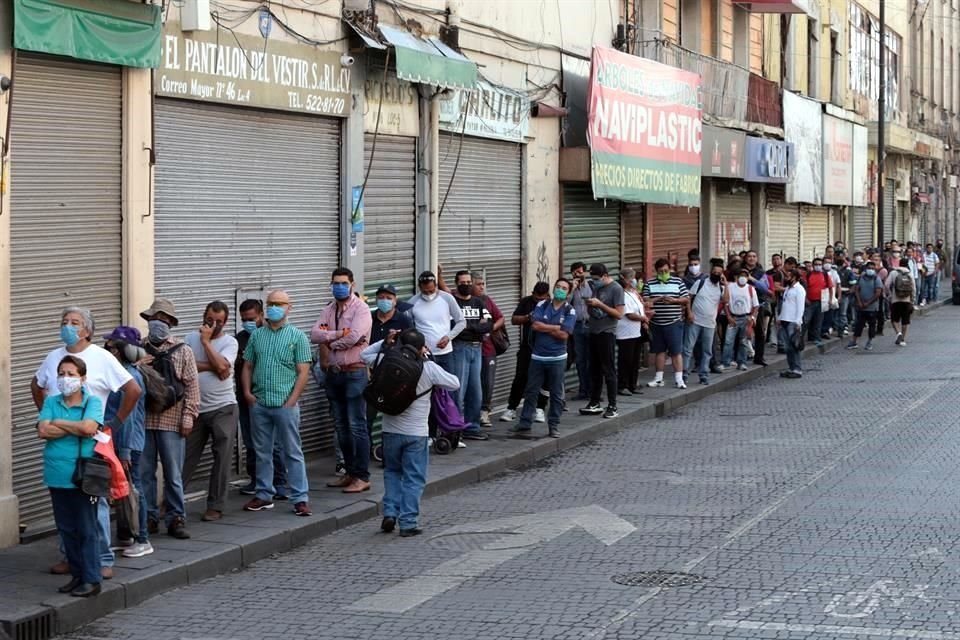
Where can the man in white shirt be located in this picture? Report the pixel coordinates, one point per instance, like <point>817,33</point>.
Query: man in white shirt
<point>931,265</point>
<point>104,375</point>
<point>741,305</point>
<point>215,353</point>
<point>406,441</point>
<point>702,321</point>
<point>438,317</point>
<point>791,321</point>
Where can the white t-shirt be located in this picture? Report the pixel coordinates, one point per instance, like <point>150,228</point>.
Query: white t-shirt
<point>706,302</point>
<point>743,300</point>
<point>930,261</point>
<point>104,372</point>
<point>628,329</point>
<point>214,392</point>
<point>438,318</point>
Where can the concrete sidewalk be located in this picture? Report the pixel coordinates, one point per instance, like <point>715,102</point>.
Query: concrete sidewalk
<point>31,608</point>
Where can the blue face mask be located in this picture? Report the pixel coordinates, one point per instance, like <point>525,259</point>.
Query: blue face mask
<point>249,326</point>
<point>385,305</point>
<point>340,290</point>
<point>276,314</point>
<point>69,334</point>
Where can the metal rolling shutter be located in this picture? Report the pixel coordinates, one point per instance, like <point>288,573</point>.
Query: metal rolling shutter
<point>248,199</point>
<point>674,231</point>
<point>814,232</point>
<point>783,228</point>
<point>633,239</point>
<point>889,210</point>
<point>732,220</point>
<point>903,224</point>
<point>390,214</point>
<point>480,228</point>
<point>591,228</point>
<point>862,228</point>
<point>66,197</point>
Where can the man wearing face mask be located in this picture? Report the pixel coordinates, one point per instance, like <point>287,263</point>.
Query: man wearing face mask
<point>671,301</point>
<point>438,317</point>
<point>168,430</point>
<point>343,331</point>
<point>741,306</point>
<point>818,288</point>
<point>694,270</point>
<point>582,290</point>
<point>790,320</point>
<point>702,322</point>
<point>606,307</point>
<point>215,353</point>
<point>468,354</point>
<point>829,316</point>
<point>867,295</point>
<point>104,376</point>
<point>757,279</point>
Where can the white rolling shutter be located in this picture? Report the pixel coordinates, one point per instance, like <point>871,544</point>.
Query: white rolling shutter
<point>814,232</point>
<point>783,228</point>
<point>862,227</point>
<point>591,229</point>
<point>732,224</point>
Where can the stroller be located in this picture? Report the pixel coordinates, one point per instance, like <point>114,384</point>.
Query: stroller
<point>445,422</point>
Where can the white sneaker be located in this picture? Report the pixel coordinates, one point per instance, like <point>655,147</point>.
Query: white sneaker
<point>484,418</point>
<point>903,343</point>
<point>540,416</point>
<point>461,445</point>
<point>138,550</point>
<point>749,350</point>
<point>508,416</point>
<point>681,384</point>
<point>655,383</point>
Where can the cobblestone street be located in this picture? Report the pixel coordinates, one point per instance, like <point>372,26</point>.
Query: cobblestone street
<point>819,508</point>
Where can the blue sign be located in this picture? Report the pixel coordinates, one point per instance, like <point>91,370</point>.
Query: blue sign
<point>265,22</point>
<point>768,160</point>
<point>357,217</point>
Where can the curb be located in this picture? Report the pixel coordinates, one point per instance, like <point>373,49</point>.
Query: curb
<point>23,617</point>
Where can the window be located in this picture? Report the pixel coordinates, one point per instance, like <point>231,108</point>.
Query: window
<point>741,36</point>
<point>864,71</point>
<point>690,24</point>
<point>836,86</point>
<point>813,58</point>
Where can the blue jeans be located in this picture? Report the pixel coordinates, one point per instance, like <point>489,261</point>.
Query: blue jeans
<point>467,361</point>
<point>405,461</point>
<point>786,333</point>
<point>813,321</point>
<point>544,375</point>
<point>138,483</point>
<point>581,347</point>
<point>930,287</point>
<point>738,328</point>
<point>76,518</point>
<point>695,334</point>
<point>840,320</point>
<point>345,393</point>
<point>279,472</point>
<point>170,448</point>
<point>446,362</point>
<point>272,425</point>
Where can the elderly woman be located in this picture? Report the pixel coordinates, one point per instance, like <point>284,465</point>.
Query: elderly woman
<point>68,422</point>
<point>629,333</point>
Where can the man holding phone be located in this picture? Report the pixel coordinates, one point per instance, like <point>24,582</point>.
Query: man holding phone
<point>215,353</point>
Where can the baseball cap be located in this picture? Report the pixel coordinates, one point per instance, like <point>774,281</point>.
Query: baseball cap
<point>387,288</point>
<point>129,335</point>
<point>427,276</point>
<point>598,269</point>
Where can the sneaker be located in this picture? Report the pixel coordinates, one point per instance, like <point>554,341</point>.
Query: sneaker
<point>339,470</point>
<point>923,303</point>
<point>704,381</point>
<point>903,343</point>
<point>485,419</point>
<point>741,367</point>
<point>899,339</point>
<point>611,412</point>
<point>554,432</point>
<point>852,345</point>
<point>592,409</point>
<point>519,428</point>
<point>138,550</point>
<point>750,351</point>
<point>302,509</point>
<point>388,524</point>
<point>258,505</point>
<point>178,529</point>
<point>249,489</point>
<point>718,369</point>
<point>461,445</point>
<point>681,384</point>
<point>540,417</point>
<point>475,435</point>
<point>409,533</point>
<point>655,383</point>
<point>625,392</point>
<point>869,346</point>
<point>508,416</point>
<point>794,375</point>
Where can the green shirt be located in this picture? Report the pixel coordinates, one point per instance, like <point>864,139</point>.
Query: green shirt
<point>274,355</point>
<point>60,454</point>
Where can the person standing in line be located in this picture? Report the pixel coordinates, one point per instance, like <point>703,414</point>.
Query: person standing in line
<point>390,315</point>
<point>741,305</point>
<point>671,301</point>
<point>522,317</point>
<point>582,291</point>
<point>488,368</point>
<point>818,292</point>
<point>629,333</point>
<point>468,354</point>
<point>438,317</point>
<point>792,310</point>
<point>931,265</point>
<point>758,281</point>
<point>215,353</point>
<point>901,289</point>
<point>343,332</point>
<point>707,296</point>
<point>867,295</point>
<point>275,372</point>
<point>605,308</point>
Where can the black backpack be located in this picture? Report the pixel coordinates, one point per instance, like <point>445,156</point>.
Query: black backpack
<point>393,384</point>
<point>163,386</point>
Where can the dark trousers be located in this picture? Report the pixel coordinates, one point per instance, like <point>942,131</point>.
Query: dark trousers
<point>602,367</point>
<point>760,334</point>
<point>488,379</point>
<point>813,321</point>
<point>868,318</point>
<point>76,518</point>
<point>628,363</point>
<point>519,385</point>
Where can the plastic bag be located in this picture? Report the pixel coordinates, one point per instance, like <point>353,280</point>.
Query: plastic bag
<point>119,487</point>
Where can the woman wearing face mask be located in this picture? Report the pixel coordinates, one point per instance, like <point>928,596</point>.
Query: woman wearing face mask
<point>629,334</point>
<point>68,422</point>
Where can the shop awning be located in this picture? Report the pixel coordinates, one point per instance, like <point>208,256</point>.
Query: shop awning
<point>777,6</point>
<point>923,197</point>
<point>111,31</point>
<point>429,61</point>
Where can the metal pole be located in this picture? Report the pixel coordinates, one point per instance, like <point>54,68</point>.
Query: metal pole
<point>881,125</point>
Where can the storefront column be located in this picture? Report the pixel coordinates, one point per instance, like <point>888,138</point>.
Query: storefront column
<point>9,514</point>
<point>138,181</point>
<point>758,221</point>
<point>708,219</point>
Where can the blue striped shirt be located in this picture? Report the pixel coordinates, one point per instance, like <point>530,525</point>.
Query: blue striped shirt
<point>664,313</point>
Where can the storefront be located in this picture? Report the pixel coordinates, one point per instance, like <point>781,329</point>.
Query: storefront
<point>591,229</point>
<point>66,192</point>
<point>247,196</point>
<point>768,163</point>
<point>481,191</point>
<point>814,231</point>
<point>722,166</point>
<point>845,184</point>
<point>862,228</point>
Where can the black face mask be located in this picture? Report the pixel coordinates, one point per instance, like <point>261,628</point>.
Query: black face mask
<point>714,278</point>
<point>464,289</point>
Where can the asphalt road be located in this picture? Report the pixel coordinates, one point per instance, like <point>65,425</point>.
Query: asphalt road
<point>820,508</point>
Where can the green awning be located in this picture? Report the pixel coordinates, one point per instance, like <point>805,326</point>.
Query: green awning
<point>429,61</point>
<point>112,31</point>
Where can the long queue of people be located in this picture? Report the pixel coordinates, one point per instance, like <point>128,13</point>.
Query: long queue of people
<point>164,398</point>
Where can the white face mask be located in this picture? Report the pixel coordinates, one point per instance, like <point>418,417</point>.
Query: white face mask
<point>68,386</point>
<point>695,269</point>
<point>429,297</point>
<point>742,281</point>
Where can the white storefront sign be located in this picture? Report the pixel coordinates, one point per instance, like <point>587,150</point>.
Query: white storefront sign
<point>493,112</point>
<point>802,126</point>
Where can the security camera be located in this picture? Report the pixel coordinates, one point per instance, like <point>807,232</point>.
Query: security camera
<point>4,83</point>
<point>347,60</point>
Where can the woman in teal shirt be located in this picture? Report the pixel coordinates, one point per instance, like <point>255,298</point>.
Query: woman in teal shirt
<point>68,422</point>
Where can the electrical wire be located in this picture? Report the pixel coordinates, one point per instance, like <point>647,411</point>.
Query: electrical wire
<point>456,164</point>
<point>373,145</point>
